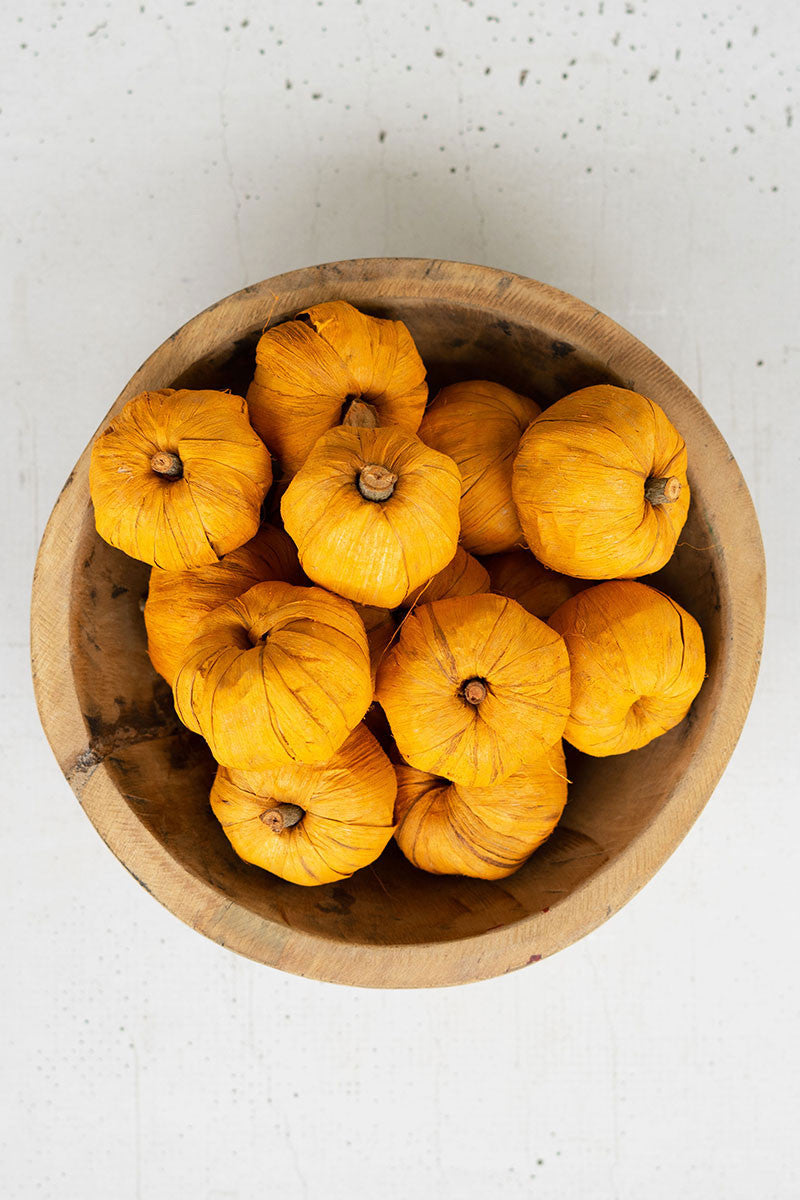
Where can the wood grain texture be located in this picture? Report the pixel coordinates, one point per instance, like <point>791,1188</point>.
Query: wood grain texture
<point>144,782</point>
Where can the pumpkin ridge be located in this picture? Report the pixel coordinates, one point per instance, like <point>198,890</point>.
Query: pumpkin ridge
<point>500,615</point>
<point>343,633</point>
<point>478,478</point>
<point>427,518</point>
<point>650,513</point>
<point>683,640</point>
<point>315,847</point>
<point>228,468</point>
<point>300,842</point>
<point>455,742</point>
<point>299,659</point>
<point>629,448</point>
<point>179,539</point>
<point>392,369</point>
<point>587,429</point>
<point>623,658</point>
<point>166,517</point>
<point>187,710</point>
<point>294,694</point>
<point>444,646</point>
<point>159,499</point>
<point>428,800</point>
<point>455,819</point>
<point>272,715</point>
<point>217,683</point>
<point>386,831</point>
<point>399,544</point>
<point>239,823</point>
<point>484,856</point>
<point>500,665</point>
<point>305,317</point>
<point>349,822</point>
<point>190,493</point>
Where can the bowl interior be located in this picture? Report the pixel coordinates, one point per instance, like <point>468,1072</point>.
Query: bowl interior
<point>165,773</point>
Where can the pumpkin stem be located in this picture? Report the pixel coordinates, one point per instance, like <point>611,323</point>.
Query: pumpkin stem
<point>283,816</point>
<point>360,415</point>
<point>166,464</point>
<point>376,482</point>
<point>664,490</point>
<point>474,691</point>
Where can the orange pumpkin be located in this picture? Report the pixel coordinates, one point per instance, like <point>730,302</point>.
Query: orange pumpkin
<point>178,478</point>
<point>463,576</point>
<point>519,575</point>
<point>330,364</point>
<point>637,661</point>
<point>279,675</point>
<point>486,832</point>
<point>374,513</point>
<point>600,485</point>
<point>177,601</point>
<point>474,687</point>
<point>479,425</point>
<point>311,824</point>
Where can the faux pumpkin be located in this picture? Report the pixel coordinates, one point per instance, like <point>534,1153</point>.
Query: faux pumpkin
<point>637,661</point>
<point>486,832</point>
<point>374,513</point>
<point>479,425</point>
<point>178,478</point>
<point>279,675</point>
<point>539,590</point>
<point>330,364</point>
<point>177,601</point>
<point>463,576</point>
<point>600,485</point>
<point>311,824</point>
<point>474,687</point>
<point>380,626</point>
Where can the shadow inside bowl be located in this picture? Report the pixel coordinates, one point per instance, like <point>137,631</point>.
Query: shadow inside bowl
<point>165,773</point>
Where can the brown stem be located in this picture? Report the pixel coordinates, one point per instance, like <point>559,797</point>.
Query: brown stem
<point>664,490</point>
<point>283,816</point>
<point>376,482</point>
<point>474,691</point>
<point>167,464</point>
<point>360,415</point>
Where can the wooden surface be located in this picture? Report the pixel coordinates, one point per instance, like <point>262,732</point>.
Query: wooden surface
<point>144,782</point>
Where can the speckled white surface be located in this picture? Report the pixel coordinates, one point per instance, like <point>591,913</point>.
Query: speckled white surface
<point>157,156</point>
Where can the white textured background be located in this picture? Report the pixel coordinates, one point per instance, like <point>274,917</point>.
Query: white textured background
<point>157,156</point>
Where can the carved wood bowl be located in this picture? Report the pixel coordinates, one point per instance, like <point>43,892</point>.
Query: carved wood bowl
<point>143,781</point>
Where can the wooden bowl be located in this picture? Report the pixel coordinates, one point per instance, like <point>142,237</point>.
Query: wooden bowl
<point>143,781</point>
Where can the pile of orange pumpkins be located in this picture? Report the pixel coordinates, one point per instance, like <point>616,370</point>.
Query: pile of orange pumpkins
<point>424,572</point>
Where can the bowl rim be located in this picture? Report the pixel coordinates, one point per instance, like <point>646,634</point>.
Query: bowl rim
<point>738,544</point>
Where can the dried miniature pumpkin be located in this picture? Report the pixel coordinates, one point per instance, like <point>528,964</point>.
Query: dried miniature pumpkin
<point>539,590</point>
<point>463,576</point>
<point>486,832</point>
<point>474,687</point>
<point>380,626</point>
<point>177,479</point>
<point>373,513</point>
<point>479,425</point>
<point>311,824</point>
<point>177,601</point>
<point>333,364</point>
<point>600,485</point>
<point>637,661</point>
<point>279,675</point>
